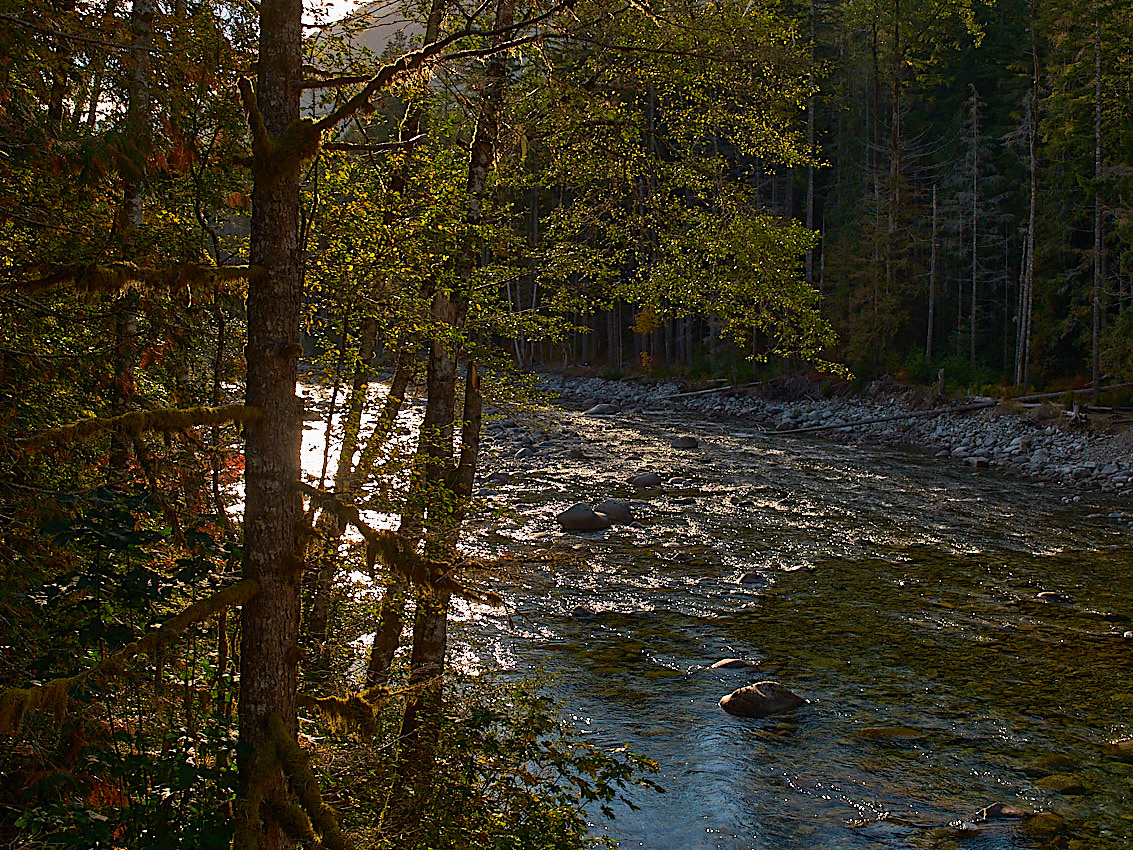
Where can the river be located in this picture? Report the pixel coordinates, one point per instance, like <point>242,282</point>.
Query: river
<point>899,595</point>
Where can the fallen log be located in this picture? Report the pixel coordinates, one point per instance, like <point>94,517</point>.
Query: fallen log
<point>1060,393</point>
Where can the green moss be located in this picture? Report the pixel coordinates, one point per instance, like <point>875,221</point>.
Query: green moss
<point>137,421</point>
<point>354,714</point>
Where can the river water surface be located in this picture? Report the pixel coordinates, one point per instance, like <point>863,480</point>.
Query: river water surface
<point>899,595</point>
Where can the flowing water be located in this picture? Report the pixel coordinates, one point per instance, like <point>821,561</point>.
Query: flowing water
<point>899,595</point>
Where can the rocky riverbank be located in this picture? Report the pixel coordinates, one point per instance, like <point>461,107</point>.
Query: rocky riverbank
<point>1041,442</point>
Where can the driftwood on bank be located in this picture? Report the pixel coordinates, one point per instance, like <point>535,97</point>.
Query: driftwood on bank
<point>937,411</point>
<point>722,389</point>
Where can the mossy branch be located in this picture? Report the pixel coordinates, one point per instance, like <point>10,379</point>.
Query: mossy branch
<point>275,158</point>
<point>354,713</point>
<point>15,703</point>
<point>397,555</point>
<point>138,421</point>
<point>293,821</point>
<point>93,279</point>
<point>417,59</point>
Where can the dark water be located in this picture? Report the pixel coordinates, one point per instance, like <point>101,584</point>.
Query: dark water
<point>898,595</point>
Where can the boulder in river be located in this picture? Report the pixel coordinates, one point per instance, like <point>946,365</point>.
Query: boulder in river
<point>581,517</point>
<point>618,512</point>
<point>685,443</point>
<point>645,480</point>
<point>761,700</point>
<point>602,410</point>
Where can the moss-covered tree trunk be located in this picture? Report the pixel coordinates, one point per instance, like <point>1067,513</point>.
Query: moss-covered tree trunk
<point>269,648</point>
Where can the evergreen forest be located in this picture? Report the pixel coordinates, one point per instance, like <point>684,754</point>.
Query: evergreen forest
<point>226,223</point>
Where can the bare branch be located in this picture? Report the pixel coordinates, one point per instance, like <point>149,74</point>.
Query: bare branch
<point>376,148</point>
<point>54,33</point>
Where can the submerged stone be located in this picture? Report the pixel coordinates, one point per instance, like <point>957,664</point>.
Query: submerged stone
<point>1120,750</point>
<point>894,735</point>
<point>1049,765</point>
<point>645,480</point>
<point>1043,825</point>
<point>685,443</point>
<point>1058,783</point>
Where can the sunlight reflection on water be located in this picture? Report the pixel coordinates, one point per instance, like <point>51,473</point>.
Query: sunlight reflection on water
<point>903,604</point>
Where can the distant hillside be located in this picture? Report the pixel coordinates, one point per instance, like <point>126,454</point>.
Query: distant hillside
<point>374,26</point>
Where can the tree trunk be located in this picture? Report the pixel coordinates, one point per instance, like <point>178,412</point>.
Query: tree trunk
<point>931,283</point>
<point>974,227</point>
<point>130,219</point>
<point>269,630</point>
<point>218,499</point>
<point>810,150</point>
<point>1096,323</point>
<point>446,481</point>
<point>331,528</point>
<point>1032,217</point>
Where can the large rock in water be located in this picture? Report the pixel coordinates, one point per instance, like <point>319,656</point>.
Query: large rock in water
<point>581,517</point>
<point>645,480</point>
<point>684,443</point>
<point>760,700</point>
<point>602,410</point>
<point>618,512</point>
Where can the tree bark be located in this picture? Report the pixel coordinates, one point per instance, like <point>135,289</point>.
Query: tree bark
<point>931,283</point>
<point>975,227</point>
<point>1026,299</point>
<point>130,219</point>
<point>1096,323</point>
<point>269,644</point>
<point>447,483</point>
